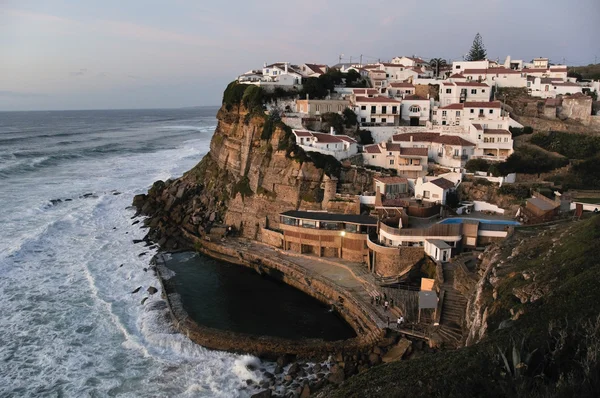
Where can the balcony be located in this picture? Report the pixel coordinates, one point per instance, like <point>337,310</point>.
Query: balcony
<point>409,167</point>
<point>461,157</point>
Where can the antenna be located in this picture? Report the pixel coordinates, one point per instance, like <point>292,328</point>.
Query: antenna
<point>340,59</point>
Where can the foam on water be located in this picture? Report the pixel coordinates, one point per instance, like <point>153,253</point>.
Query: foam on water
<point>69,323</point>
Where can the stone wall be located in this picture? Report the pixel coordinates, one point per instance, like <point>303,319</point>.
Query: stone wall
<point>398,263</point>
<point>271,238</point>
<point>576,107</point>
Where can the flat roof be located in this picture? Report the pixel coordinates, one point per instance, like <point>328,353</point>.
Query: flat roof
<point>440,244</point>
<point>323,216</point>
<point>541,204</point>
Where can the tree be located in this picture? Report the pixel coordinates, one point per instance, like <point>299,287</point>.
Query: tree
<point>352,77</point>
<point>350,118</point>
<point>477,52</point>
<point>436,64</point>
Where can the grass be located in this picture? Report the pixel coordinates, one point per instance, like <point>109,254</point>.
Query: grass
<point>592,201</point>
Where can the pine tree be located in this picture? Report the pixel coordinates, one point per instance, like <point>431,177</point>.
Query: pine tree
<point>477,52</point>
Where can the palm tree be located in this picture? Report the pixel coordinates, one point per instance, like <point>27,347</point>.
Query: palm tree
<point>437,63</point>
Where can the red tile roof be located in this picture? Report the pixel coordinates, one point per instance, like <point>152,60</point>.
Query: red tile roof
<point>490,104</point>
<point>365,91</point>
<point>391,180</point>
<point>317,68</point>
<point>402,84</point>
<point>443,183</point>
<point>497,131</point>
<point>448,84</point>
<point>453,106</point>
<point>414,151</point>
<point>328,138</point>
<point>414,98</point>
<point>491,71</point>
<point>390,147</point>
<point>374,148</point>
<point>471,84</point>
<point>302,133</point>
<point>377,99</point>
<point>567,84</point>
<point>478,126</point>
<point>457,76</point>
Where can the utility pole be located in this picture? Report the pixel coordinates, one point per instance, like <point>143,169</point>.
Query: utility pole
<point>340,58</point>
<point>361,60</point>
<point>351,59</point>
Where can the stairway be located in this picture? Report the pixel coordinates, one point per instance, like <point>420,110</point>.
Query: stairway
<point>453,309</point>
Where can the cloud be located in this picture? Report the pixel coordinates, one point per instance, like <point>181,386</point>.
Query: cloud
<point>38,17</point>
<point>80,72</point>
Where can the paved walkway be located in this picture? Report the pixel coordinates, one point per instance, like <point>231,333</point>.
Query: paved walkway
<point>352,277</point>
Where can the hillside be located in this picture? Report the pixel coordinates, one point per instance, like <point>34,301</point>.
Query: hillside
<point>537,307</point>
<point>588,72</point>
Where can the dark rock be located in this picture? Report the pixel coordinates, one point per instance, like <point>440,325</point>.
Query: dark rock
<point>351,369</point>
<point>268,375</point>
<point>152,290</point>
<point>136,241</point>
<point>305,392</point>
<point>116,193</point>
<point>336,377</point>
<point>144,300</point>
<point>283,360</point>
<point>249,382</point>
<point>121,265</point>
<point>317,368</point>
<point>145,269</point>
<point>136,290</point>
<point>68,200</point>
<point>293,369</point>
<point>377,350</point>
<point>55,201</point>
<point>135,222</point>
<point>278,370</point>
<point>142,254</point>
<point>251,367</point>
<point>374,359</point>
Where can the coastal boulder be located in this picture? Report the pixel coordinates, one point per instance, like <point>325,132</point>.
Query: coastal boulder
<point>398,351</point>
<point>262,394</point>
<point>152,290</point>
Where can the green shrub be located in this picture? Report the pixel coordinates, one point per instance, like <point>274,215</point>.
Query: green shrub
<point>350,118</point>
<point>530,161</point>
<point>517,131</point>
<point>573,146</point>
<point>365,137</point>
<point>253,98</point>
<point>242,187</point>
<point>233,94</point>
<point>474,165</point>
<point>518,191</point>
<point>331,119</point>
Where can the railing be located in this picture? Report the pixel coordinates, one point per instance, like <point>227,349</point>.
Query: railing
<point>461,157</point>
<point>435,230</point>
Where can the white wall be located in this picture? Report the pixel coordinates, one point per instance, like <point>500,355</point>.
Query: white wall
<point>485,206</point>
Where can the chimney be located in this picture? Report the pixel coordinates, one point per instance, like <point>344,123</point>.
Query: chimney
<point>411,138</point>
<point>286,68</point>
<point>307,96</point>
<point>265,64</point>
<point>331,130</point>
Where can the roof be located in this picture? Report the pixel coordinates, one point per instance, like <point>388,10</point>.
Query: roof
<point>328,138</point>
<point>492,71</point>
<point>497,132</point>
<point>317,68</point>
<point>577,96</point>
<point>471,84</point>
<point>414,151</point>
<point>567,84</point>
<point>440,244</point>
<point>322,216</point>
<point>477,126</point>
<point>542,204</point>
<point>377,99</point>
<point>365,91</point>
<point>392,180</point>
<point>453,106</point>
<point>488,104</point>
<point>373,148</point>
<point>457,76</point>
<point>392,65</point>
<point>443,183</point>
<point>402,84</point>
<point>414,98</point>
<point>432,137</point>
<point>302,133</point>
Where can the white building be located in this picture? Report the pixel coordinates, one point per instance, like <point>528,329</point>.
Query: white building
<point>444,149</point>
<point>338,146</point>
<point>377,111</point>
<point>408,162</point>
<point>548,87</point>
<point>415,110</point>
<point>460,66</point>
<point>438,250</point>
<point>500,77</point>
<point>272,76</point>
<point>409,61</point>
<point>434,190</point>
<point>457,92</point>
<point>313,70</point>
<point>400,89</point>
<point>495,144</point>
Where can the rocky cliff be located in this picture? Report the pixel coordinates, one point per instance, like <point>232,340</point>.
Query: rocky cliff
<point>253,172</point>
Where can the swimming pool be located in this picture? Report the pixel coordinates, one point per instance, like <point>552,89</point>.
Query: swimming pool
<point>458,220</point>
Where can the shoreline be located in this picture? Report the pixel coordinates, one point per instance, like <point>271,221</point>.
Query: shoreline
<point>368,333</point>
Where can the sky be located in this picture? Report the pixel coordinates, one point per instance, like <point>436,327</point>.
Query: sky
<point>90,54</point>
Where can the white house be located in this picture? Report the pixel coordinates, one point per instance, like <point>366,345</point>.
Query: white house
<point>550,87</point>
<point>457,92</point>
<point>377,111</point>
<point>438,250</point>
<point>251,76</point>
<point>408,162</point>
<point>415,110</point>
<point>313,70</point>
<point>391,187</point>
<point>495,144</point>
<point>272,76</point>
<point>434,190</point>
<point>460,66</point>
<point>409,61</point>
<point>400,89</point>
<point>338,146</point>
<point>501,77</point>
<point>377,77</point>
<point>444,149</point>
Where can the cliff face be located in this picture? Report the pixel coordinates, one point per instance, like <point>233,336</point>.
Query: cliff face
<point>248,178</point>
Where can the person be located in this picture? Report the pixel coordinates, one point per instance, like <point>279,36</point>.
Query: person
<point>401,319</point>
<point>385,305</point>
<point>391,303</point>
<point>384,296</point>
<point>399,322</point>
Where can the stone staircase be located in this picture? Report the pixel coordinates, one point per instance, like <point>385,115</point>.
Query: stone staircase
<point>453,309</point>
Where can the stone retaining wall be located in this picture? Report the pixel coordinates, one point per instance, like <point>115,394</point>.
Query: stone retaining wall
<point>368,333</point>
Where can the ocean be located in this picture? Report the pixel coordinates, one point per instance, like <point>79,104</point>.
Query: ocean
<point>69,323</point>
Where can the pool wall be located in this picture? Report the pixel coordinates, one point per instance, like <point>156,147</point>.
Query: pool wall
<point>458,220</point>
<point>366,328</point>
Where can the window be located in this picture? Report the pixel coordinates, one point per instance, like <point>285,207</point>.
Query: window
<point>491,111</point>
<point>327,145</point>
<point>479,136</point>
<point>434,113</point>
<point>528,84</point>
<point>483,90</point>
<point>474,91</point>
<point>363,119</point>
<point>389,153</point>
<point>373,109</point>
<point>372,120</point>
<point>415,108</point>
<point>363,108</point>
<point>443,122</point>
<point>457,113</point>
<point>372,156</point>
<point>426,194</point>
<point>448,91</point>
<point>384,109</point>
<point>444,113</point>
<point>391,162</point>
<point>505,139</point>
<point>383,120</point>
<point>480,112</point>
<point>457,66</point>
<point>394,109</point>
<point>472,110</point>
<point>456,152</point>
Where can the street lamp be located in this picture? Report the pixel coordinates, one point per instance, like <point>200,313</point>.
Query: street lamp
<point>342,234</point>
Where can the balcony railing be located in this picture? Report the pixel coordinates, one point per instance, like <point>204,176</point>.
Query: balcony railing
<point>461,157</point>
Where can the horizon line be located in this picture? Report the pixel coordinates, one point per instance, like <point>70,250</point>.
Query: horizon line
<point>110,109</point>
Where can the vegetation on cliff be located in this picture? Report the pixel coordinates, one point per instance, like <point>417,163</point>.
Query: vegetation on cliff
<point>543,322</point>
